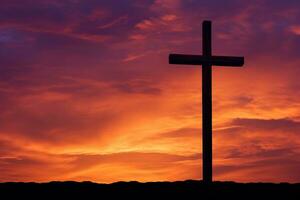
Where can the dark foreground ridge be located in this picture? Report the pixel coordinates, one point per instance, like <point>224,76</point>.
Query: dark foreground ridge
<point>136,190</point>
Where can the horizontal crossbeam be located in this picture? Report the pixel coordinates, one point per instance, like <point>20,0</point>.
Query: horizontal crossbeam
<point>200,60</point>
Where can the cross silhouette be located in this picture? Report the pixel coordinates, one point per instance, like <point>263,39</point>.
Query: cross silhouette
<point>206,60</point>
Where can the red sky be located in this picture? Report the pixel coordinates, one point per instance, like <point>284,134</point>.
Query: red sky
<point>86,91</point>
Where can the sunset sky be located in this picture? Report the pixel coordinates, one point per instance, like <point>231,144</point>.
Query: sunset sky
<point>86,91</point>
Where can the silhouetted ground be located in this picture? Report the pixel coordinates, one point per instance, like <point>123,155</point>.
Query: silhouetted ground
<point>155,190</point>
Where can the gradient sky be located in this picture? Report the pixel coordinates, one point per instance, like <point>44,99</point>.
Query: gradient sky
<point>86,91</point>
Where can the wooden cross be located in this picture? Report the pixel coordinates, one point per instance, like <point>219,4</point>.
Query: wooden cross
<point>206,60</point>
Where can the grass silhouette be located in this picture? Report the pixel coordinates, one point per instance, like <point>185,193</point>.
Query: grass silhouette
<point>129,190</point>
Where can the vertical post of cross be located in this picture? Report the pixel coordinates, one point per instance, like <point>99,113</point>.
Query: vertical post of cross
<point>206,103</point>
<point>206,60</point>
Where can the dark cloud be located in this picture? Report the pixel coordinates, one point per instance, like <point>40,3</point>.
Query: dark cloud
<point>259,26</point>
<point>284,169</point>
<point>284,124</point>
<point>54,122</point>
<point>31,12</point>
<point>244,100</point>
<point>138,86</point>
<point>7,148</point>
<point>259,152</point>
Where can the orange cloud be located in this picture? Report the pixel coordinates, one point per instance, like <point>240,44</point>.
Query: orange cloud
<point>169,18</point>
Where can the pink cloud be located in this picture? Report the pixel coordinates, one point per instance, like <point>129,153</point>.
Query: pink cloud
<point>295,29</point>
<point>137,37</point>
<point>115,22</point>
<point>145,24</point>
<point>169,18</point>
